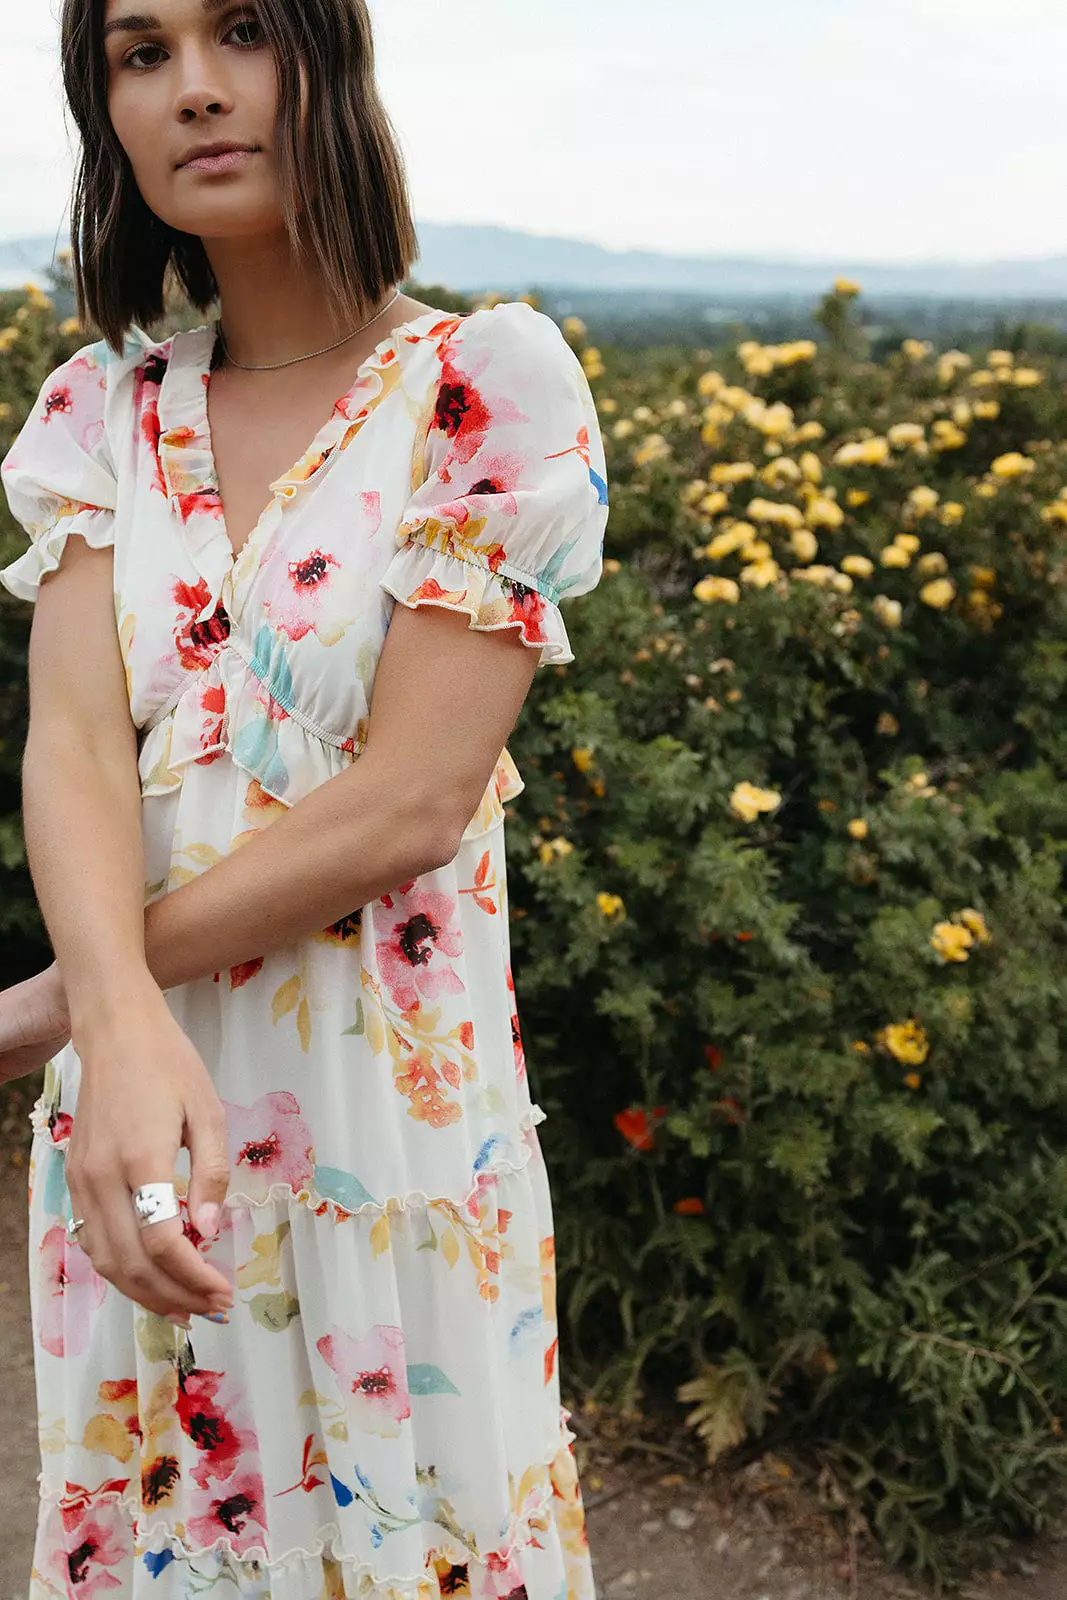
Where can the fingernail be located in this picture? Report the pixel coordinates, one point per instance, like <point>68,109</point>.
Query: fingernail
<point>213,1316</point>
<point>209,1221</point>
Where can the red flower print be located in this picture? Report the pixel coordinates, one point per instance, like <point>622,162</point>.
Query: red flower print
<point>70,1291</point>
<point>636,1127</point>
<point>372,1376</point>
<point>412,957</point>
<point>421,1082</point>
<point>269,1143</point>
<point>304,595</point>
<point>197,639</point>
<point>207,1406</point>
<point>235,1511</point>
<point>81,1561</point>
<point>213,705</point>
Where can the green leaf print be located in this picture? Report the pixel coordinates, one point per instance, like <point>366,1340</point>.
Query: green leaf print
<point>426,1379</point>
<point>275,1311</point>
<point>358,1026</point>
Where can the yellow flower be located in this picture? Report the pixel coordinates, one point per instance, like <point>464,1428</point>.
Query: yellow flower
<point>889,613</point>
<point>846,288</point>
<point>932,563</point>
<point>975,921</point>
<point>907,1041</point>
<point>594,366</point>
<point>987,410</point>
<point>861,1047</point>
<point>693,491</point>
<point>804,544</point>
<point>809,431</point>
<point>858,566</point>
<point>908,542</point>
<point>761,573</point>
<point>709,589</point>
<point>756,550</point>
<point>938,594</point>
<point>858,828</point>
<point>951,941</point>
<point>611,905</point>
<point>951,513</point>
<point>887,723</point>
<point>710,383</point>
<point>611,565</point>
<point>747,801</point>
<point>622,429</point>
<point>760,362</point>
<point>778,468</point>
<point>811,466</point>
<point>1027,377</point>
<point>1000,358</point>
<point>913,1080</point>
<point>1012,465</point>
<point>902,434</point>
<point>863,452</point>
<point>787,516</point>
<point>70,325</point>
<point>574,328</point>
<point>916,349</point>
<point>583,758</point>
<point>984,577</point>
<point>714,502</point>
<point>732,471</point>
<point>655,448</point>
<point>985,491</point>
<point>608,405</point>
<point>922,501</point>
<point>825,513</point>
<point>947,436</point>
<point>856,497</point>
<point>894,555</point>
<point>551,849</point>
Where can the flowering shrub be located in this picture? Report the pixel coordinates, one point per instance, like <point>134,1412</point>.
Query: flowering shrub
<point>786,888</point>
<point>788,920</point>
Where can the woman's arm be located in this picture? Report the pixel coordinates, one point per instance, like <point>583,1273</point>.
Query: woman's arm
<point>445,700</point>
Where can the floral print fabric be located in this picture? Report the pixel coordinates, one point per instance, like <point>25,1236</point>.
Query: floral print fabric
<point>381,1416</point>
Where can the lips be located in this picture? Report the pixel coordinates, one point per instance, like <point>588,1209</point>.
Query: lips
<point>217,150</point>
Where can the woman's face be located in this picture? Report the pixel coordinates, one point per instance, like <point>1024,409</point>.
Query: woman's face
<point>202,73</point>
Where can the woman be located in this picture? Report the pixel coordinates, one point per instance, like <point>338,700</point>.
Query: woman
<point>294,1086</point>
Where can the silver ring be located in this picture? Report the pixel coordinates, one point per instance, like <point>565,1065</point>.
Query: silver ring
<point>73,1225</point>
<point>156,1202</point>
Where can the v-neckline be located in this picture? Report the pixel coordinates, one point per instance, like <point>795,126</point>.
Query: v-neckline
<point>187,457</point>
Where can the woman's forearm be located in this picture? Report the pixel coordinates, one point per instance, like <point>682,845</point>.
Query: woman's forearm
<point>353,839</point>
<point>82,825</point>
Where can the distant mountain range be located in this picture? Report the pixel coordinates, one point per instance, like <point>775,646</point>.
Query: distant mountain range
<point>505,260</point>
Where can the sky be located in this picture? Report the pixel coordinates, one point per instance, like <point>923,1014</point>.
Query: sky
<point>848,130</point>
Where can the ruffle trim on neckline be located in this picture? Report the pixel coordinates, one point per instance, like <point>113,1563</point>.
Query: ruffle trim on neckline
<point>229,708</point>
<point>500,1157</point>
<point>186,459</point>
<point>425,571</point>
<point>536,1518</point>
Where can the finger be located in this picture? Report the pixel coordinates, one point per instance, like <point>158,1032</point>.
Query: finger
<point>166,1246</point>
<point>209,1164</point>
<point>120,1254</point>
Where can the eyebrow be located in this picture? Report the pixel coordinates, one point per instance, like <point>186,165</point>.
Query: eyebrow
<point>142,21</point>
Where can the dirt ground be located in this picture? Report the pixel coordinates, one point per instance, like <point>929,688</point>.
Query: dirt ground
<point>661,1527</point>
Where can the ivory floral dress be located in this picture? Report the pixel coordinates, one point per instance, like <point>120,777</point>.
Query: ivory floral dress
<point>381,1416</point>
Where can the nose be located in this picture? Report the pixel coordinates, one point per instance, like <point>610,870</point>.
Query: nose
<point>201,90</point>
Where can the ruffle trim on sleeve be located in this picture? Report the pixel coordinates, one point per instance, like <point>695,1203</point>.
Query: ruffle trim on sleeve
<point>95,524</point>
<point>419,575</point>
<point>229,709</point>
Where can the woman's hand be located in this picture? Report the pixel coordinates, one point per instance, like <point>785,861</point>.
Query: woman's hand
<point>144,1092</point>
<point>34,1025</point>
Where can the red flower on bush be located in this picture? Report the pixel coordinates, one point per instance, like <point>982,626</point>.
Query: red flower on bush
<point>713,1056</point>
<point>743,938</point>
<point>691,1207</point>
<point>635,1127</point>
<point>730,1109</point>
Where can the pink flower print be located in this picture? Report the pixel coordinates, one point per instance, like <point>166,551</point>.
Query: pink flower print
<point>269,1143</point>
<point>462,412</point>
<point>80,1563</point>
<point>78,397</point>
<point>69,1292</point>
<point>207,1407</point>
<point>372,1376</point>
<point>235,1512</point>
<point>412,957</point>
<point>305,595</point>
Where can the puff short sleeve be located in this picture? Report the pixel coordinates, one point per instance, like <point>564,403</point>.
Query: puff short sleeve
<point>508,513</point>
<point>58,475</point>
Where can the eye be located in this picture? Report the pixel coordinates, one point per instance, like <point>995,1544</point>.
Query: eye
<point>131,58</point>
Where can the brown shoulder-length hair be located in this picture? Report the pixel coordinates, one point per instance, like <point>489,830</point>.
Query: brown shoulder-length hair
<point>346,167</point>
